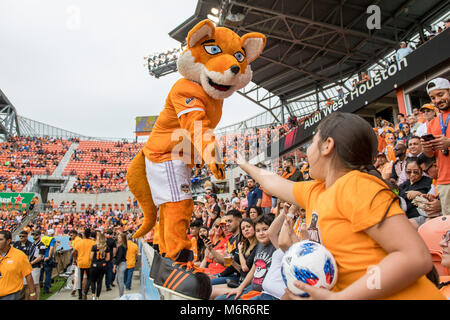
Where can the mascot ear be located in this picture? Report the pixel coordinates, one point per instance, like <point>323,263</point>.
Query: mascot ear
<point>201,29</point>
<point>254,44</point>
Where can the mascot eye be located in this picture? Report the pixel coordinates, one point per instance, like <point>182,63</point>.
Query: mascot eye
<point>239,56</point>
<point>212,49</point>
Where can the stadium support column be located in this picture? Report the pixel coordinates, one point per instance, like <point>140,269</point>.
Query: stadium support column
<point>317,98</point>
<point>283,101</point>
<point>422,35</point>
<point>401,101</point>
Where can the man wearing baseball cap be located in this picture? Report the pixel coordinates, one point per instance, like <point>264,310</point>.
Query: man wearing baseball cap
<point>403,51</point>
<point>429,113</point>
<point>439,91</point>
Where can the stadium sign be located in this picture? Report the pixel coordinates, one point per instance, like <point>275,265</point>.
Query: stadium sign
<point>144,125</point>
<point>16,197</point>
<point>360,91</point>
<point>415,65</point>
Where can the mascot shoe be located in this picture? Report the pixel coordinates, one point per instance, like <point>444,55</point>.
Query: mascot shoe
<point>182,277</point>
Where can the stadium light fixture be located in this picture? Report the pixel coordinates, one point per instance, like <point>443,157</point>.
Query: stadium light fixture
<point>213,18</point>
<point>164,62</point>
<point>215,11</point>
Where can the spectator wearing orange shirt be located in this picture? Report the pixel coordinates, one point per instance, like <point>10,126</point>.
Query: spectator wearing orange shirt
<point>439,91</point>
<point>14,267</point>
<point>371,220</point>
<point>132,258</point>
<point>81,254</point>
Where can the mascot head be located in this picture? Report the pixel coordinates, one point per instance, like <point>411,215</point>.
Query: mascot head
<point>219,59</point>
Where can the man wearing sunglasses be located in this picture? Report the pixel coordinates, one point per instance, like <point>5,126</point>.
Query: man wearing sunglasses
<point>23,243</point>
<point>429,167</point>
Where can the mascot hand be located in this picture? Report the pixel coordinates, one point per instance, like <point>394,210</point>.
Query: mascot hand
<point>218,170</point>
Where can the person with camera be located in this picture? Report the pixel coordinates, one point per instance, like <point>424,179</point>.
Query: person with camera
<point>215,245</point>
<point>232,220</point>
<point>437,140</point>
<point>36,256</point>
<point>48,265</point>
<point>197,242</point>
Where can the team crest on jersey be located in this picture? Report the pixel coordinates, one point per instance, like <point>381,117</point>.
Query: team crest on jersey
<point>185,188</point>
<point>189,100</point>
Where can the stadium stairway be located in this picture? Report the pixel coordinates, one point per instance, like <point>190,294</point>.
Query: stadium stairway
<point>65,160</point>
<point>70,183</point>
<point>25,222</point>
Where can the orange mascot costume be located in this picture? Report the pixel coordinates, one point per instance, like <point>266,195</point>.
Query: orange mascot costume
<point>214,65</point>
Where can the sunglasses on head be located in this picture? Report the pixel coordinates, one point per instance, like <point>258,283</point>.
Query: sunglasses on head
<point>412,171</point>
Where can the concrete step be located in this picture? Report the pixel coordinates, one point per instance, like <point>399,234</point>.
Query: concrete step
<point>65,160</point>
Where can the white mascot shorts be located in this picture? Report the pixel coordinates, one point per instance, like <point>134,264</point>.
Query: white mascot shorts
<point>169,181</point>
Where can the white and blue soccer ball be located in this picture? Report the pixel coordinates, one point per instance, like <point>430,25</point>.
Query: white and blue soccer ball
<point>311,263</point>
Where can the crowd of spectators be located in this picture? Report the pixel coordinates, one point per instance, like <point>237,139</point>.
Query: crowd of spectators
<point>69,216</point>
<point>415,169</point>
<point>12,216</point>
<point>101,166</point>
<point>22,157</point>
<point>406,159</point>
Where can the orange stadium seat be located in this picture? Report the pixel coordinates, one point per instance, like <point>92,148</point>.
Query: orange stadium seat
<point>432,232</point>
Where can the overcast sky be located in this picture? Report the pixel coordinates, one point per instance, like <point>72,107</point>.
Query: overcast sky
<point>78,65</point>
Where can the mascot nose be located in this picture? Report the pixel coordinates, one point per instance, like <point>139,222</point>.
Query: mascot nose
<point>235,69</point>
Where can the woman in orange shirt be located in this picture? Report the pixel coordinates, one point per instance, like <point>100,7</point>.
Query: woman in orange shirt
<point>378,253</point>
<point>389,149</point>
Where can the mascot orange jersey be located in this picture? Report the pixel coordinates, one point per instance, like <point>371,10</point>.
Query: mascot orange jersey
<point>187,102</point>
<point>215,64</point>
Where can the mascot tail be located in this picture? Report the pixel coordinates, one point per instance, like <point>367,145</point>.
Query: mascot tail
<point>138,184</point>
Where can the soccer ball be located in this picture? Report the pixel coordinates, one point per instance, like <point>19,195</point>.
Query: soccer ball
<point>310,262</point>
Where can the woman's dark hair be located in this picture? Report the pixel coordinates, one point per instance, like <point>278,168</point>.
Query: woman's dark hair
<point>248,245</point>
<point>123,239</point>
<point>241,236</point>
<point>356,145</point>
<point>412,160</point>
<point>258,210</point>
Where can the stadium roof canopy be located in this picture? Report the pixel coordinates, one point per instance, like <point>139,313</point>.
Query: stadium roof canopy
<point>313,43</point>
<point>9,125</point>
